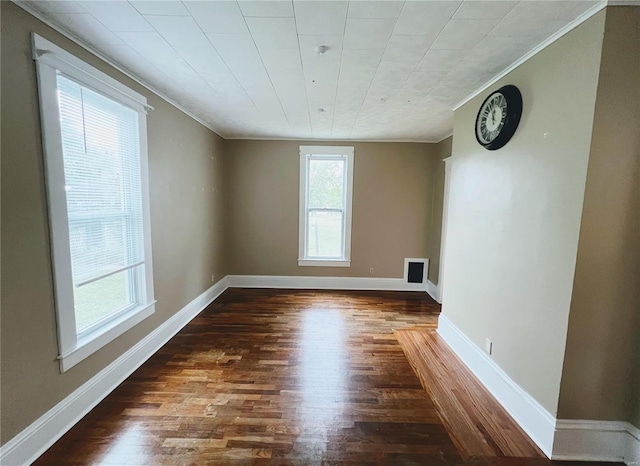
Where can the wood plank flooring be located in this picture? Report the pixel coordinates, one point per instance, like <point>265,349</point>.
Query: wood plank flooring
<point>478,424</point>
<point>284,377</point>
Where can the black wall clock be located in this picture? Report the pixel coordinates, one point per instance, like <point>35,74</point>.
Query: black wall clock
<point>498,117</point>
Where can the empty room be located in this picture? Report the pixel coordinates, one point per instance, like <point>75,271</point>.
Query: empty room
<point>299,232</point>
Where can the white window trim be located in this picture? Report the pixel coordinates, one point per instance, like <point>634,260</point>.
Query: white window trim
<point>305,153</point>
<point>49,58</point>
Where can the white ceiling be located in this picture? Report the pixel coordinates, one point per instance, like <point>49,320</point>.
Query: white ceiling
<point>393,70</point>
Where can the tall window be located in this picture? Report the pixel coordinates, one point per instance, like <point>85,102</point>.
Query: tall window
<point>94,132</point>
<point>326,186</point>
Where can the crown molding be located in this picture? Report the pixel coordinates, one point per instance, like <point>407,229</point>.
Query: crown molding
<point>350,141</point>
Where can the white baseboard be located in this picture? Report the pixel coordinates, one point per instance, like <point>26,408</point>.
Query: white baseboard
<point>323,283</point>
<point>632,456</point>
<point>532,417</point>
<point>580,440</point>
<point>29,444</point>
<point>571,440</point>
<point>434,291</point>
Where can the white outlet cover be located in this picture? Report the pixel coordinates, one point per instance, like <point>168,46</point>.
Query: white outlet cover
<point>488,346</point>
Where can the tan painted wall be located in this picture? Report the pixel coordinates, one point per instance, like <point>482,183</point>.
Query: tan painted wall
<point>605,306</point>
<point>392,190</point>
<point>514,214</point>
<point>186,220</point>
<point>442,151</point>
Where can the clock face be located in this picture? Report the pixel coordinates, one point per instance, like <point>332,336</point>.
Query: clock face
<point>499,117</point>
<point>492,118</point>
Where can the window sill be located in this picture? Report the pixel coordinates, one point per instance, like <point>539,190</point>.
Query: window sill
<point>104,335</point>
<point>323,263</point>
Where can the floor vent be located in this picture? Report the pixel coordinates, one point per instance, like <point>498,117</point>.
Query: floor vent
<point>415,270</point>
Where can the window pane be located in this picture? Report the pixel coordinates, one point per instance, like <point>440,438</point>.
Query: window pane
<point>324,234</point>
<point>97,300</point>
<point>326,183</point>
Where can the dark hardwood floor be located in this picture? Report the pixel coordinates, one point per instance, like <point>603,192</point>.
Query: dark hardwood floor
<point>285,377</point>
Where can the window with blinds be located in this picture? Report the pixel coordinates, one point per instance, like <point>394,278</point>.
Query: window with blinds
<point>326,174</point>
<point>94,141</point>
<point>101,151</point>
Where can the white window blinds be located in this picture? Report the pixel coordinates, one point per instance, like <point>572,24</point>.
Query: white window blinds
<point>101,151</point>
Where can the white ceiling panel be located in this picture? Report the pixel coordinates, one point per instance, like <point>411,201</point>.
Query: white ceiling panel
<point>529,27</point>
<point>277,33</point>
<point>393,71</point>
<point>85,25</point>
<point>241,56</point>
<point>424,81</point>
<point>203,59</point>
<point>282,60</point>
<point>349,104</point>
<point>407,48</point>
<point>293,99</point>
<point>532,19</point>
<point>319,69</point>
<point>441,60</point>
<point>363,59</point>
<point>129,58</point>
<point>497,51</point>
<point>368,33</point>
<point>484,10</point>
<point>320,17</point>
<point>239,53</point>
<point>463,34</point>
<point>150,45</point>
<point>117,16</point>
<point>267,8</point>
<point>389,70</point>
<point>355,81</point>
<point>425,18</point>
<point>375,9</point>
<point>161,7</point>
<point>222,17</point>
<point>321,124</point>
<point>179,31</point>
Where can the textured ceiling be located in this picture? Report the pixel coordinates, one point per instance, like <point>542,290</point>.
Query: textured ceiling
<point>392,70</point>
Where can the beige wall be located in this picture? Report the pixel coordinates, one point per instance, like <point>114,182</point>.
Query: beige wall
<point>392,190</point>
<point>442,151</point>
<point>514,214</point>
<point>185,162</point>
<point>605,306</point>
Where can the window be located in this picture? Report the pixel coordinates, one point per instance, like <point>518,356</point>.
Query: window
<point>326,187</point>
<point>94,137</point>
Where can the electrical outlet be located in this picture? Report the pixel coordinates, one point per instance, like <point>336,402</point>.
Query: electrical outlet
<point>488,346</point>
<point>213,278</point>
<point>371,271</point>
